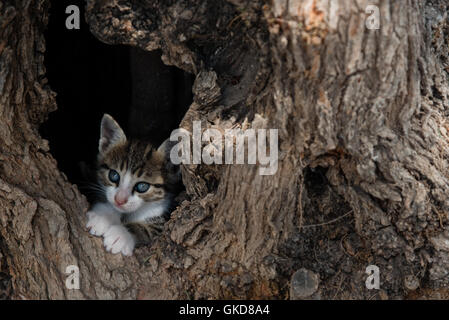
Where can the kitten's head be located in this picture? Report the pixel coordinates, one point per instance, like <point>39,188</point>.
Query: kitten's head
<point>133,173</point>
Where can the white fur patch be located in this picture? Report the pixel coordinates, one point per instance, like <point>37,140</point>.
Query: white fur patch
<point>149,210</point>
<point>118,239</point>
<point>100,218</point>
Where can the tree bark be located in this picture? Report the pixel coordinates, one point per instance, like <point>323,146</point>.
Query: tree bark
<point>363,148</point>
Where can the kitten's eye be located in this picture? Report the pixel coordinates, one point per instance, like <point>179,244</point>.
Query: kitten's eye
<point>142,187</point>
<point>114,176</point>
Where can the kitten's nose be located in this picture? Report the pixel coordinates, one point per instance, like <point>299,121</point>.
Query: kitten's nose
<point>120,199</point>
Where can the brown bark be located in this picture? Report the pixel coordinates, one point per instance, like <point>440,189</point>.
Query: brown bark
<point>363,172</point>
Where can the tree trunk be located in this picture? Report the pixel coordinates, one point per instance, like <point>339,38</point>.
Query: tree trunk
<point>363,153</point>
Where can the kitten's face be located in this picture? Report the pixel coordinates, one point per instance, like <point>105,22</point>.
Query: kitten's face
<point>132,172</point>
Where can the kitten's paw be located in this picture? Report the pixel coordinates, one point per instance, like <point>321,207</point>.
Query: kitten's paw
<point>119,239</point>
<point>99,223</point>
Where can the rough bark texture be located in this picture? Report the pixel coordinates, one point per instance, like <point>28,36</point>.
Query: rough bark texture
<point>363,168</point>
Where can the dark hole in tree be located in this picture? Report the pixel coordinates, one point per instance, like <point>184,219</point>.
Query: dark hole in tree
<point>147,98</point>
<point>315,180</point>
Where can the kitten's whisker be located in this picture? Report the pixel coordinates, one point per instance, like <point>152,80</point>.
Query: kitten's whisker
<point>93,187</point>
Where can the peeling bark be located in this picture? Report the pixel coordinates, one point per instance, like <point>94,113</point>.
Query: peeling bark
<point>363,170</point>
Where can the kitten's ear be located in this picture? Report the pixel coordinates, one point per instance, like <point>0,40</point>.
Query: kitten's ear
<point>165,148</point>
<point>111,134</point>
<point>173,170</point>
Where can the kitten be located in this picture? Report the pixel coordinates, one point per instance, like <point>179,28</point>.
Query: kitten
<point>139,184</point>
